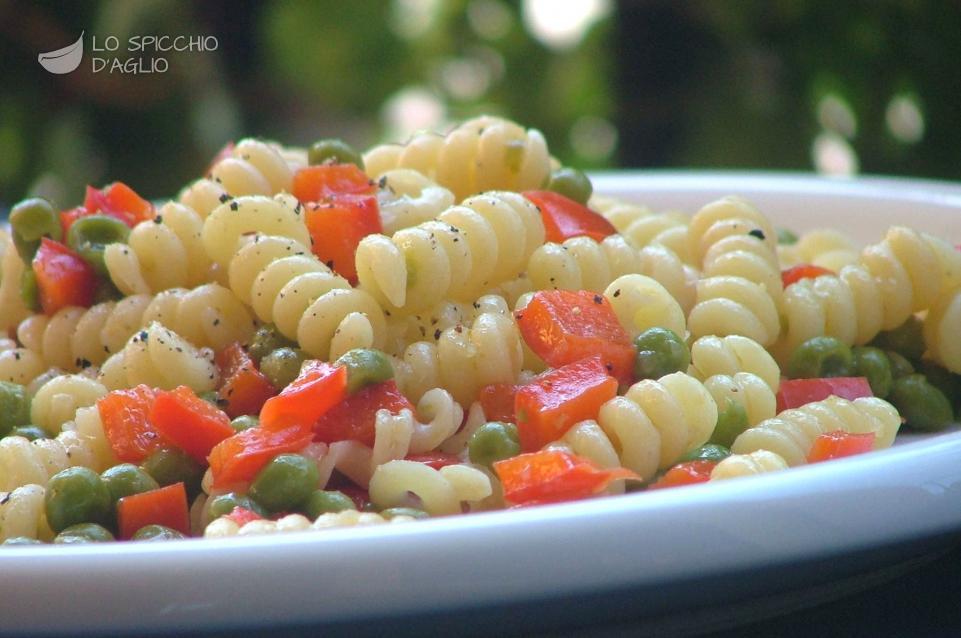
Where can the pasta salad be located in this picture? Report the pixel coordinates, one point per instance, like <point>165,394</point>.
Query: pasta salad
<point>314,338</point>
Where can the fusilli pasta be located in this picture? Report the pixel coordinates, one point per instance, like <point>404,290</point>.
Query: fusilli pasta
<point>440,491</point>
<point>641,302</point>
<point>12,308</point>
<point>752,464</point>
<point>22,513</point>
<point>224,527</point>
<point>232,220</point>
<point>941,330</point>
<point>732,354</point>
<point>58,400</point>
<point>407,198</point>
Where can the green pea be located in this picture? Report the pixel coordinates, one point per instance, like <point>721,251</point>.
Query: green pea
<point>821,357</point>
<point>494,441</point>
<point>325,501</point>
<point>14,406</point>
<point>244,422</point>
<point>210,396</point>
<point>907,339</point>
<point>900,366</point>
<point>922,405</point>
<point>875,366</point>
<point>127,479</point>
<point>76,495</point>
<point>731,421</point>
<point>30,290</point>
<point>31,220</point>
<point>365,367</point>
<point>224,504</point>
<point>84,533</point>
<point>571,183</point>
<point>89,236</point>
<point>156,533</point>
<point>30,432</point>
<point>22,540</point>
<point>413,512</point>
<point>169,466</point>
<point>660,352</point>
<point>285,482</point>
<point>786,237</point>
<point>334,151</point>
<point>266,340</point>
<point>282,366</point>
<point>707,452</point>
<point>943,380</point>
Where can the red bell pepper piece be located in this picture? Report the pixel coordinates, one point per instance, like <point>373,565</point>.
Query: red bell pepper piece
<point>69,216</point>
<point>245,389</point>
<point>563,326</point>
<point>687,473</point>
<point>242,515</point>
<point>564,218</point>
<point>314,183</point>
<point>238,459</point>
<point>803,271</point>
<point>435,460</point>
<point>793,393</point>
<point>319,387</point>
<point>189,422</point>
<point>552,476</point>
<point>550,404</point>
<point>120,201</point>
<point>63,277</point>
<point>165,506</point>
<point>354,418</point>
<point>337,225</point>
<point>125,415</point>
<point>838,444</point>
<point>497,400</point>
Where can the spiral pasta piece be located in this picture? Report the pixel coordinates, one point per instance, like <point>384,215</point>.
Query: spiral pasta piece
<point>482,154</point>
<point>285,284</point>
<point>166,252</point>
<point>159,357</point>
<point>751,464</point>
<point>641,302</point>
<point>729,355</point>
<point>469,248</point>
<point>12,308</point>
<point>746,390</point>
<point>734,306</point>
<point>224,527</point>
<point>208,316</point>
<point>462,359</point>
<point>441,492</point>
<point>253,167</point>
<point>22,513</point>
<point>82,442</point>
<point>941,330</point>
<point>58,400</point>
<point>643,227</point>
<point>824,247</point>
<point>76,338</point>
<point>229,222</point>
<point>407,198</point>
<point>791,433</point>
<point>726,217</point>
<point>19,365</point>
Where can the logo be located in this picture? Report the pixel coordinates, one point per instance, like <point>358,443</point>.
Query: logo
<point>63,60</point>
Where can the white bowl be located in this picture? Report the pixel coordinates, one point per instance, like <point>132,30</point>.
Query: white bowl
<point>717,534</point>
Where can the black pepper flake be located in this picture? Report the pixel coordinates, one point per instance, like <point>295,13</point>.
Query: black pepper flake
<point>16,355</point>
<point>159,219</point>
<point>234,206</point>
<point>330,264</point>
<point>459,328</point>
<point>143,335</point>
<point>617,293</point>
<point>598,299</point>
<point>382,182</point>
<point>6,498</point>
<point>387,312</point>
<point>216,322</point>
<point>609,366</point>
<point>476,306</point>
<point>437,334</point>
<point>757,232</point>
<point>423,331</point>
<point>224,197</point>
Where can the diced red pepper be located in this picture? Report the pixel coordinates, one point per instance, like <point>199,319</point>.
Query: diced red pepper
<point>125,415</point>
<point>315,183</point>
<point>497,400</point>
<point>63,277</point>
<point>550,404</point>
<point>563,326</point>
<point>242,516</point>
<point>337,225</point>
<point>354,418</point>
<point>319,387</point>
<point>189,422</point>
<point>120,201</point>
<point>564,218</point>
<point>793,393</point>
<point>238,459</point>
<point>245,389</point>
<point>435,460</point>
<point>68,217</point>
<point>165,506</point>
<point>803,271</point>
<point>687,473</point>
<point>838,444</point>
<point>552,476</point>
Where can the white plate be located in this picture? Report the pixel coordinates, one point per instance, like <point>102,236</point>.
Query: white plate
<point>909,493</point>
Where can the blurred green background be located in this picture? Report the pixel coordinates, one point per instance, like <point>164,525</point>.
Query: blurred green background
<point>833,87</point>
